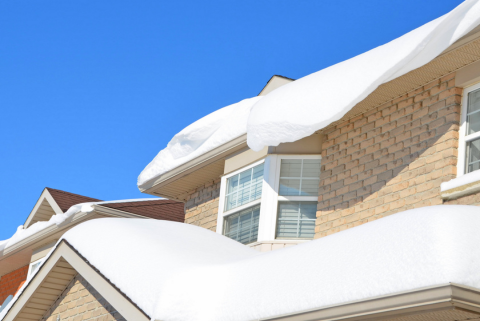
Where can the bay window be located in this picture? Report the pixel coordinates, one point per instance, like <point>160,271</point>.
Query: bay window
<point>469,147</point>
<point>274,198</point>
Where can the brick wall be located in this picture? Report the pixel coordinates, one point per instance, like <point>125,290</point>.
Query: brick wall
<point>10,283</point>
<point>201,206</point>
<point>390,159</point>
<point>80,301</point>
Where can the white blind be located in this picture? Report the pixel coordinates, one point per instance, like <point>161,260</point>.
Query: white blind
<point>243,226</point>
<point>299,177</point>
<point>296,220</point>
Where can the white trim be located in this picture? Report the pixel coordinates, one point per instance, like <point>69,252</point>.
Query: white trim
<point>223,190</point>
<point>50,200</point>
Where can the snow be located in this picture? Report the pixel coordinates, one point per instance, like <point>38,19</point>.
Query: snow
<point>202,136</point>
<point>460,181</point>
<point>166,264</point>
<point>58,219</point>
<point>298,109</point>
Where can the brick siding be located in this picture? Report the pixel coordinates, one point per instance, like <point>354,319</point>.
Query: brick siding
<point>80,301</point>
<point>201,206</point>
<point>10,283</point>
<point>389,159</point>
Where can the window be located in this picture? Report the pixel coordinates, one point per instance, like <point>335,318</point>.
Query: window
<point>242,198</point>
<point>470,131</point>
<point>299,180</point>
<point>34,266</point>
<point>275,198</point>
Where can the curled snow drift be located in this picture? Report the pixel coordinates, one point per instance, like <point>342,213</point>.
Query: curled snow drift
<point>298,109</point>
<point>202,136</point>
<point>170,263</point>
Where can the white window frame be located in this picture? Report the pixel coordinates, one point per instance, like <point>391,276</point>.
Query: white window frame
<point>223,192</point>
<point>31,265</point>
<point>464,138</point>
<point>270,198</point>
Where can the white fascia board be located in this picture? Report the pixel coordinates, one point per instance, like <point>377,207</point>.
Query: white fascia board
<point>194,164</point>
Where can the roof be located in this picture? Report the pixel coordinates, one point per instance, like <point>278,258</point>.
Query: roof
<point>157,209</point>
<point>424,250</point>
<point>65,200</point>
<point>310,104</point>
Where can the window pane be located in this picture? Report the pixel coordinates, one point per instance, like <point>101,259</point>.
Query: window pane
<point>243,226</point>
<point>291,168</point>
<point>289,187</point>
<point>299,177</point>
<point>311,168</point>
<point>473,101</point>
<point>473,123</point>
<point>244,188</point>
<point>310,187</point>
<point>473,155</point>
<point>296,220</point>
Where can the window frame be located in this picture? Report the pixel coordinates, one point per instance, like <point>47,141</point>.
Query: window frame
<point>464,139</point>
<point>269,200</point>
<point>223,192</point>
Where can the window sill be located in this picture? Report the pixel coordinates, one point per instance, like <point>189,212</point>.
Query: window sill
<point>267,246</point>
<point>461,186</point>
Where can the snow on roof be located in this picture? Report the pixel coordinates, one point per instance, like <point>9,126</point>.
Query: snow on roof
<point>298,109</point>
<point>58,219</point>
<point>176,271</point>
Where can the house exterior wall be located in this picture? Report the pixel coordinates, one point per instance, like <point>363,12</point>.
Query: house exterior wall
<point>80,301</point>
<point>10,283</point>
<point>201,206</point>
<point>391,158</point>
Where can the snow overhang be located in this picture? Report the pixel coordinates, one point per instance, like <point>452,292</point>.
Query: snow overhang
<point>175,183</point>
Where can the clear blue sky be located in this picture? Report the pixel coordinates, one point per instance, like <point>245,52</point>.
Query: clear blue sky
<point>91,91</point>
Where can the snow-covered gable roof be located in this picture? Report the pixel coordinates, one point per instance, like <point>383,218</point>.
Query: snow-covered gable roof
<point>177,271</point>
<point>300,108</point>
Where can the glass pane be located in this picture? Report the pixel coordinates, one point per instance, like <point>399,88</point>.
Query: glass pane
<point>473,101</point>
<point>287,229</point>
<point>310,187</point>
<point>311,168</point>
<point>231,201</point>
<point>291,168</point>
<point>244,187</point>
<point>473,158</point>
<point>307,229</point>
<point>296,220</point>
<point>288,210</point>
<point>308,210</point>
<point>289,187</point>
<point>243,226</point>
<point>232,184</point>
<point>473,123</point>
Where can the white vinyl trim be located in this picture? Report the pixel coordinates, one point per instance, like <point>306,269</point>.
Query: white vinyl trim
<point>464,138</point>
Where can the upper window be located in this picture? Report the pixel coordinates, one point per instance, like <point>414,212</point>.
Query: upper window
<point>299,177</point>
<point>34,266</point>
<point>470,132</point>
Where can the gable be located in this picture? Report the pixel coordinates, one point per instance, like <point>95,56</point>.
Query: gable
<point>43,210</point>
<point>65,277</point>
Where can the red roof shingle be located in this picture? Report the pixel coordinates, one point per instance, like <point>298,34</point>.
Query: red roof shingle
<point>65,199</point>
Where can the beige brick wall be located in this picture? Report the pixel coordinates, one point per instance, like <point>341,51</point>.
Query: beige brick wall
<point>80,301</point>
<point>390,159</point>
<point>201,207</point>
